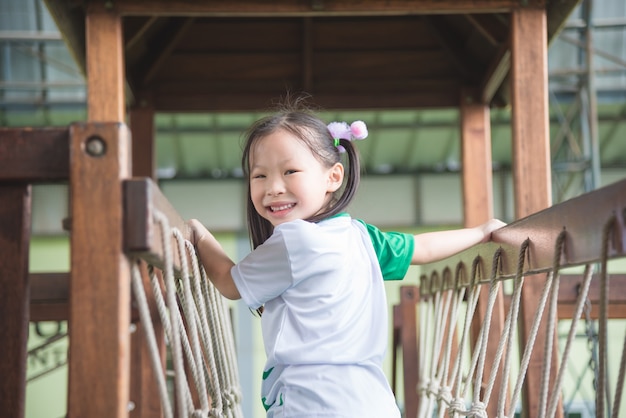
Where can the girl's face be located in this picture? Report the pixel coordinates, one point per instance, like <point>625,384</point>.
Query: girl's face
<point>287,182</point>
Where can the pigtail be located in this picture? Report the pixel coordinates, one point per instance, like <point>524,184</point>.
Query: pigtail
<point>352,179</point>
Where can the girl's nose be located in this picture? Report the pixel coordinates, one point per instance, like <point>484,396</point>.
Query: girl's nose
<point>275,187</point>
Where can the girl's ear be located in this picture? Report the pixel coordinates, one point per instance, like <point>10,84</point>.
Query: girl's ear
<point>335,177</point>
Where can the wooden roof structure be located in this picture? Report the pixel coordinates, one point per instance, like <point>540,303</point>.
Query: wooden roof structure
<point>147,56</point>
<point>217,55</point>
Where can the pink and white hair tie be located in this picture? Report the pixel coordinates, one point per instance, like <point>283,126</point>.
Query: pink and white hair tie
<point>341,130</point>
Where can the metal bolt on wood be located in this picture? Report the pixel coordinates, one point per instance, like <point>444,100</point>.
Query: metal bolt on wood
<point>95,146</point>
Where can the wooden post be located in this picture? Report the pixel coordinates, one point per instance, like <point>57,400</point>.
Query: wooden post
<point>142,127</point>
<point>476,154</point>
<point>531,166</point>
<point>99,323</point>
<point>105,64</point>
<point>15,210</point>
<point>477,209</point>
<point>408,330</point>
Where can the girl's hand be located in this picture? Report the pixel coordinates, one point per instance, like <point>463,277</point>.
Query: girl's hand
<point>196,231</point>
<point>213,258</point>
<point>490,226</point>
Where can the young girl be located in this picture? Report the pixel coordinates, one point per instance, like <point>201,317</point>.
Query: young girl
<point>317,272</point>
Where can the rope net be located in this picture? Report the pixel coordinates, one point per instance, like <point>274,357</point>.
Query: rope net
<point>198,332</point>
<point>453,380</point>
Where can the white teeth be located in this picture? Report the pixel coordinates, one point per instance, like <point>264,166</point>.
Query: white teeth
<point>283,207</point>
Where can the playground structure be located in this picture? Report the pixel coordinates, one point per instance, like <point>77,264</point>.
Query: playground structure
<point>99,156</point>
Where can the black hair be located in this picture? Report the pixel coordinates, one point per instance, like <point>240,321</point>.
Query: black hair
<point>300,121</point>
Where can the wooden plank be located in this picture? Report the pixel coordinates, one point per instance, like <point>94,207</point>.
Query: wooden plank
<point>49,297</point>
<point>300,8</point>
<point>99,325</point>
<point>15,211</point>
<point>34,154</point>
<point>143,238</point>
<point>105,64</point>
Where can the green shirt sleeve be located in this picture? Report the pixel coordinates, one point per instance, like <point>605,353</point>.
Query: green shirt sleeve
<point>394,251</point>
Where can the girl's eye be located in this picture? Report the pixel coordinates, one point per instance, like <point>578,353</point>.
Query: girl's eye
<point>290,171</point>
<point>258,176</point>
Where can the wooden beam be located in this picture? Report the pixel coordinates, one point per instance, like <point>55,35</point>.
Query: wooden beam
<point>496,73</point>
<point>15,211</point>
<point>557,13</point>
<point>300,8</point>
<point>143,239</point>
<point>105,64</point>
<point>49,296</point>
<point>99,325</point>
<point>492,27</point>
<point>133,38</point>
<point>71,23</point>
<point>34,154</point>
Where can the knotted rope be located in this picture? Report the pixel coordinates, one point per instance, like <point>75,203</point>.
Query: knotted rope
<point>197,330</point>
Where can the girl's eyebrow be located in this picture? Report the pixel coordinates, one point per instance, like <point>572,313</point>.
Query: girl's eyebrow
<point>286,161</point>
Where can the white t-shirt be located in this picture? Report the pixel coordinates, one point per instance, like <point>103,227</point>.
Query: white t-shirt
<point>325,316</point>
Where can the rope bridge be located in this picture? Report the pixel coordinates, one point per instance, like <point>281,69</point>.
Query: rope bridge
<point>192,313</point>
<point>460,370</point>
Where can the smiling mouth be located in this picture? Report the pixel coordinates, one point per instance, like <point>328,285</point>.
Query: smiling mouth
<point>282,207</point>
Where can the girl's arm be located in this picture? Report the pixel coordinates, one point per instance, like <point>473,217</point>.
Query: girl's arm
<point>214,259</point>
<point>434,246</point>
